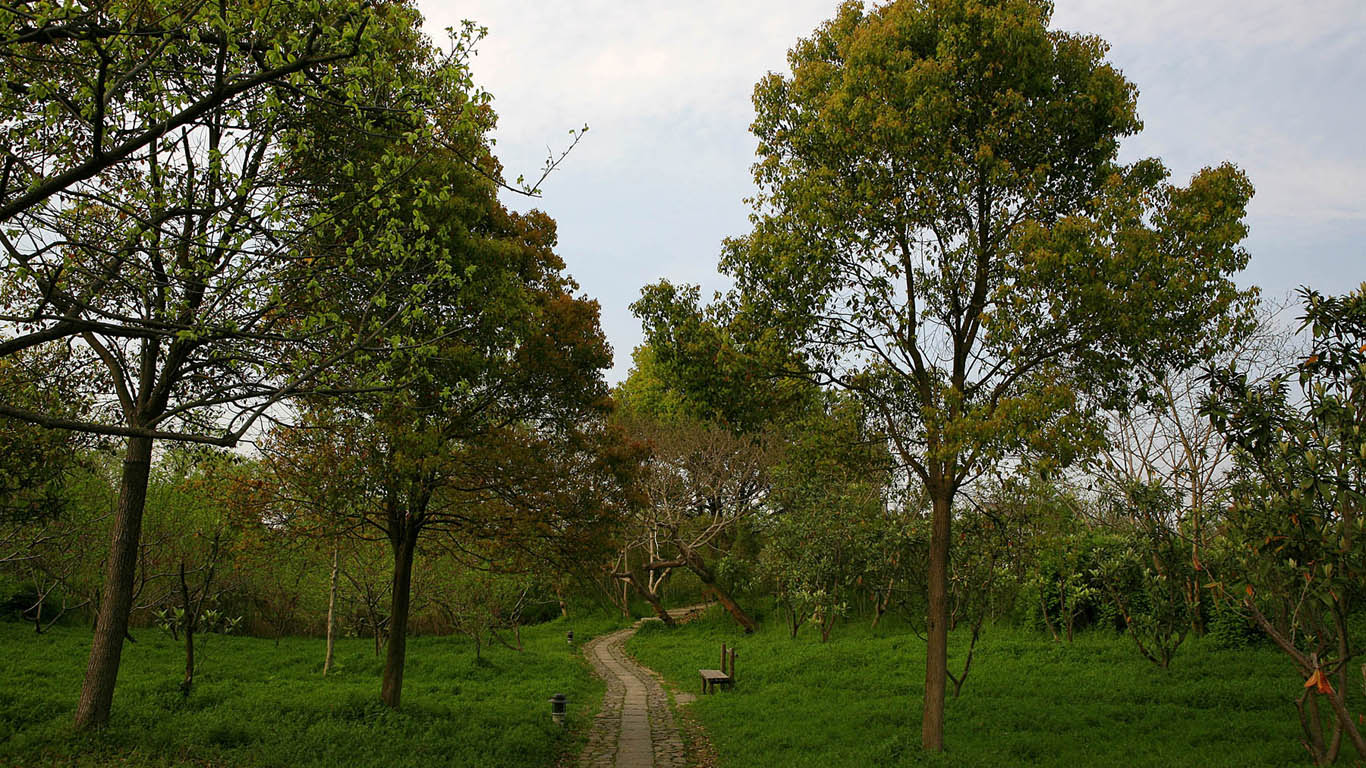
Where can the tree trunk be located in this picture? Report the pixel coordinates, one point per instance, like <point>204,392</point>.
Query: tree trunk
<point>732,607</point>
<point>332,609</point>
<point>111,623</point>
<point>881,603</point>
<point>651,597</point>
<point>936,623</point>
<point>1047,622</point>
<point>559,597</point>
<point>704,575</point>
<point>189,661</point>
<point>405,545</point>
<point>191,619</point>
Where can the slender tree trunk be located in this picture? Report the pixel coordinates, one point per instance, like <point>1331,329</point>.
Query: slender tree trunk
<point>1344,718</point>
<point>733,608</point>
<point>936,622</point>
<point>332,608</point>
<point>191,619</point>
<point>189,661</point>
<point>882,602</point>
<point>559,597</point>
<point>1047,622</point>
<point>405,545</point>
<point>794,620</point>
<point>116,600</point>
<point>658,606</point>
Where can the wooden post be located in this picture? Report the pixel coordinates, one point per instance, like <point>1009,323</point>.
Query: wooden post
<point>732,665</point>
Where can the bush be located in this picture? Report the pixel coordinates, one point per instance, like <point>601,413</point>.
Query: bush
<point>1230,628</point>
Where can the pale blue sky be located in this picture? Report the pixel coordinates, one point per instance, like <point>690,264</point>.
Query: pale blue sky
<point>661,178</point>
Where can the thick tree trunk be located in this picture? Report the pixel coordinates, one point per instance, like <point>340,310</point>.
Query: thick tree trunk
<point>405,545</point>
<point>332,609</point>
<point>936,623</point>
<point>116,600</point>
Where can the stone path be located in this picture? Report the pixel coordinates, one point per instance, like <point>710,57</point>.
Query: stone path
<point>635,728</point>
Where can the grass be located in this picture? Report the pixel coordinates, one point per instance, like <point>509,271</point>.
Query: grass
<point>258,704</point>
<point>1027,702</point>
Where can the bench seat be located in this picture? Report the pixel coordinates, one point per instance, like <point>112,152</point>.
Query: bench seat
<point>712,678</point>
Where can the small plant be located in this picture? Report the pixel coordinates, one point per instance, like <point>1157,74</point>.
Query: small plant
<point>170,620</point>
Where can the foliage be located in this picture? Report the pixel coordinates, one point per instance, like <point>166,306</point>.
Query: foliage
<point>827,501</point>
<point>153,214</point>
<point>1147,572</point>
<point>715,363</point>
<point>1296,505</point>
<point>37,463</point>
<point>943,228</point>
<point>162,210</point>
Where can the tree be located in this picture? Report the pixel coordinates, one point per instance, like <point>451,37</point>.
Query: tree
<point>79,77</point>
<point>154,213</point>
<point>492,429</point>
<point>37,462</point>
<point>704,396</point>
<point>1166,445</point>
<point>1148,572</point>
<point>700,484</point>
<point>943,228</point>
<point>829,492</point>
<point>1297,500</point>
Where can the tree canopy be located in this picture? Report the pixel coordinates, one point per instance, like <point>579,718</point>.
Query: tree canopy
<point>943,227</point>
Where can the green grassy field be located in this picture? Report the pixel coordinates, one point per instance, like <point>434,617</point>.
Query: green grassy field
<point>1027,702</point>
<point>256,704</point>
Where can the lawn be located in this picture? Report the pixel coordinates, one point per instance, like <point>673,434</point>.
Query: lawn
<point>256,703</point>
<point>1028,701</point>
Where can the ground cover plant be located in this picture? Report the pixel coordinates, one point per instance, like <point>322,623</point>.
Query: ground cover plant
<point>259,703</point>
<point>1031,702</point>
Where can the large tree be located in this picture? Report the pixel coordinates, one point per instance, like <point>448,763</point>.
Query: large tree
<point>492,428</point>
<point>943,227</point>
<point>160,211</point>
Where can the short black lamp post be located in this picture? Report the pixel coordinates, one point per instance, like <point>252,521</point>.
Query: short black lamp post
<point>559,704</point>
<point>569,637</point>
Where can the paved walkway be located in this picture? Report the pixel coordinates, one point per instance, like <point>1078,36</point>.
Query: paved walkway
<point>635,728</point>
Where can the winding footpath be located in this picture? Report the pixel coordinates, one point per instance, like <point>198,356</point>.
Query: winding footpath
<point>636,727</point>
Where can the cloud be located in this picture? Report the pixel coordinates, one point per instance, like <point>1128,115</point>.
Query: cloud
<point>633,71</point>
<point>665,87</point>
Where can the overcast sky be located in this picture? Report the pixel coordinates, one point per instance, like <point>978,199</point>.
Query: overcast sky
<point>661,178</point>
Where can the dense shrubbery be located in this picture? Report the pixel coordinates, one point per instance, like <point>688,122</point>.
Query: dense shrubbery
<point>266,581</point>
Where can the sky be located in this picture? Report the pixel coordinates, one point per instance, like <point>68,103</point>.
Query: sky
<point>662,176</point>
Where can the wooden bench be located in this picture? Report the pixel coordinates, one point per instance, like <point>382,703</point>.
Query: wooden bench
<point>723,676</point>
